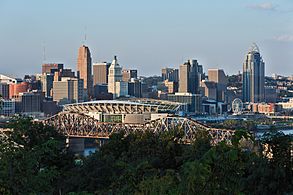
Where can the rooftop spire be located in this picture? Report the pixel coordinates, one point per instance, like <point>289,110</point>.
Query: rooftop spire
<point>254,48</point>
<point>115,61</point>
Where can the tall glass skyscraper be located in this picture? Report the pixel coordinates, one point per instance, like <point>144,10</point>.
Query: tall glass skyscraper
<point>253,76</point>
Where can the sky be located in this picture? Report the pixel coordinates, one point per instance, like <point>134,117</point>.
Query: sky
<point>145,35</point>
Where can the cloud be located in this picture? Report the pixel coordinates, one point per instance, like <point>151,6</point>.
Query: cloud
<point>263,6</point>
<point>284,38</point>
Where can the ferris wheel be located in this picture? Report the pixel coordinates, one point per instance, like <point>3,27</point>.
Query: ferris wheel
<point>237,106</point>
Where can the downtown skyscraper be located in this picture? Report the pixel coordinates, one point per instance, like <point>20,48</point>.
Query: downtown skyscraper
<point>189,77</point>
<point>116,85</point>
<point>84,69</point>
<point>253,76</point>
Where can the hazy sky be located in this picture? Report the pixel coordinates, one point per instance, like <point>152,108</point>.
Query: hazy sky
<point>145,35</point>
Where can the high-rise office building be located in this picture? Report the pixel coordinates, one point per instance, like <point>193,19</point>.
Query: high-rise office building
<point>5,83</point>
<point>7,107</point>
<point>47,83</point>
<point>68,90</point>
<point>209,89</point>
<point>16,88</point>
<point>115,76</point>
<point>51,68</point>
<point>100,72</point>
<point>4,90</point>
<point>31,102</point>
<point>253,76</point>
<point>84,69</point>
<point>134,88</point>
<point>121,88</point>
<point>128,74</point>
<point>189,77</point>
<point>218,76</point>
<point>170,74</point>
<point>67,73</point>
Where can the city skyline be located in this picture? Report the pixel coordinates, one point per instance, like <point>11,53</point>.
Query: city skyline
<point>146,97</point>
<point>147,36</point>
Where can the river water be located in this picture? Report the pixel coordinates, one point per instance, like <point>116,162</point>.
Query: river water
<point>260,133</point>
<point>89,151</point>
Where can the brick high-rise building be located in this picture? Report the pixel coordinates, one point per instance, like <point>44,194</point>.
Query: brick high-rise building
<point>84,69</point>
<point>16,88</point>
<point>51,68</point>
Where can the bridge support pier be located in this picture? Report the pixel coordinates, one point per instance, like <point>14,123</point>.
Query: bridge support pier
<point>76,145</point>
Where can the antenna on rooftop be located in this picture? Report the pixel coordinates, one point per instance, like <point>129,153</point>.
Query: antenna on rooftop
<point>84,35</point>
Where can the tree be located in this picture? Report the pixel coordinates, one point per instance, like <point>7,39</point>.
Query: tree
<point>33,158</point>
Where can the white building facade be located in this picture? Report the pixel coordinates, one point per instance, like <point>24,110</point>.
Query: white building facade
<point>115,84</point>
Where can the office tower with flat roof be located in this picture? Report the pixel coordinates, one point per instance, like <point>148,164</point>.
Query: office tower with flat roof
<point>253,89</point>
<point>16,88</point>
<point>189,77</point>
<point>184,70</point>
<point>67,73</point>
<point>209,89</point>
<point>128,74</point>
<point>47,83</point>
<point>51,67</point>
<point>4,90</point>
<point>170,74</point>
<point>134,88</point>
<point>31,102</point>
<point>193,101</point>
<point>68,90</point>
<point>100,72</point>
<point>84,69</point>
<point>7,107</point>
<point>121,89</point>
<point>218,76</point>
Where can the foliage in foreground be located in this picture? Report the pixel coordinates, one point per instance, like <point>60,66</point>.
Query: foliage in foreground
<point>144,163</point>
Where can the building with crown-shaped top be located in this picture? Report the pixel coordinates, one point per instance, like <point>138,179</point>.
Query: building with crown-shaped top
<point>115,84</point>
<point>253,76</point>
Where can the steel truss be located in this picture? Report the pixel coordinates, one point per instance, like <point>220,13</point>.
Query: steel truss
<point>84,126</point>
